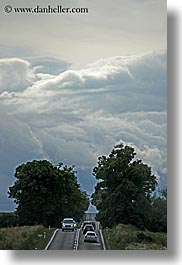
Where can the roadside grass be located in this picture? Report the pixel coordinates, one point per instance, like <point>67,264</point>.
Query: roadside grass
<point>25,237</point>
<point>128,237</point>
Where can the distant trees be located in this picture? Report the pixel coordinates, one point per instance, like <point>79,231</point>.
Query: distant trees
<point>8,219</point>
<point>45,193</point>
<point>158,217</point>
<point>124,194</point>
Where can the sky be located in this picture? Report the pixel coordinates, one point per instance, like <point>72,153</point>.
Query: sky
<point>74,85</point>
<point>122,27</point>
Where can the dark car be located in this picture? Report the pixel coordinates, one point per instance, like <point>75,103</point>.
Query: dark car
<point>88,227</point>
<point>88,223</point>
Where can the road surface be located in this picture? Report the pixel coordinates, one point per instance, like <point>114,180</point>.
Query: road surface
<point>90,245</point>
<point>63,241</point>
<point>68,241</point>
<point>75,240</point>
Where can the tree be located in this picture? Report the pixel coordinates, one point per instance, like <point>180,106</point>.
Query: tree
<point>158,222</point>
<point>124,193</point>
<point>8,219</point>
<point>45,193</point>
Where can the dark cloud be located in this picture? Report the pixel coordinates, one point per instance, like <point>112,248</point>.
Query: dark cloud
<point>75,116</point>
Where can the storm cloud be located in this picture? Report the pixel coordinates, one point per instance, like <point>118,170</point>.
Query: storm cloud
<point>75,115</point>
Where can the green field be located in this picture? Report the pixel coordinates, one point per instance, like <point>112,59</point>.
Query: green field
<point>128,237</point>
<point>25,237</point>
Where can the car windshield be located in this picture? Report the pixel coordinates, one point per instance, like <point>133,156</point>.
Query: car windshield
<point>68,221</point>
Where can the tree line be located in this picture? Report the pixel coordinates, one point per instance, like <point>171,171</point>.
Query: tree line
<point>126,193</point>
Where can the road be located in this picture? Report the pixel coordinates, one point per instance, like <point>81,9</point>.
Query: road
<point>75,240</point>
<point>67,241</point>
<point>89,245</point>
<point>63,240</point>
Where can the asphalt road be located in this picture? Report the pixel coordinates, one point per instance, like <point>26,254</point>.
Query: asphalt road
<point>67,240</point>
<point>63,241</point>
<point>89,245</point>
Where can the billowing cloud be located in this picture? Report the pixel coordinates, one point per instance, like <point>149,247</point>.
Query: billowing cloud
<point>15,74</point>
<point>48,65</point>
<point>76,115</point>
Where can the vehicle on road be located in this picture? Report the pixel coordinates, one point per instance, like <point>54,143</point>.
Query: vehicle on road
<point>90,236</point>
<point>88,223</point>
<point>88,227</point>
<point>68,224</point>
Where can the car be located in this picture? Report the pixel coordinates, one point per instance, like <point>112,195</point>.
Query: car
<point>90,236</point>
<point>75,225</point>
<point>88,223</point>
<point>88,227</point>
<point>68,224</point>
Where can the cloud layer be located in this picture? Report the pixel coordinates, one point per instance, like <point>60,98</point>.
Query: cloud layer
<point>49,110</point>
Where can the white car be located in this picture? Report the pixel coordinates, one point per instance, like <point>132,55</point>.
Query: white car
<point>68,224</point>
<point>90,236</point>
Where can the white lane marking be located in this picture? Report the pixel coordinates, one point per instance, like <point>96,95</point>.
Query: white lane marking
<point>50,241</point>
<point>102,239</point>
<point>76,239</point>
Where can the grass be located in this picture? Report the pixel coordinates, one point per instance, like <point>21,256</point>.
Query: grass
<point>24,237</point>
<point>128,237</point>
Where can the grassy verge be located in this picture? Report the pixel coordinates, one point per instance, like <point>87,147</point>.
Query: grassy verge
<point>128,237</point>
<point>25,237</point>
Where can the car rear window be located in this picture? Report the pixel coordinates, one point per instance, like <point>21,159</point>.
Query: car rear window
<point>90,234</point>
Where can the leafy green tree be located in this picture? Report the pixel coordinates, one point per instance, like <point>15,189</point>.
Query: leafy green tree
<point>124,193</point>
<point>158,221</point>
<point>45,193</point>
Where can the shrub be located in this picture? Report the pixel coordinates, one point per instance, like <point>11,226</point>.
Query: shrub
<point>129,237</point>
<point>23,238</point>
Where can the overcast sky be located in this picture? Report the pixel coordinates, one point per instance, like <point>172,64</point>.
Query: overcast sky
<point>110,28</point>
<point>73,86</point>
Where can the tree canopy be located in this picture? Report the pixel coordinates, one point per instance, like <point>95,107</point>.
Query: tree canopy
<point>45,193</point>
<point>123,194</point>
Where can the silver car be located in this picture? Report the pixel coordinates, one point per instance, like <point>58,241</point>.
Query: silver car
<point>90,236</point>
<point>68,224</point>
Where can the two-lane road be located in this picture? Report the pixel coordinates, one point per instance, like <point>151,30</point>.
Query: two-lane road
<point>68,240</point>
